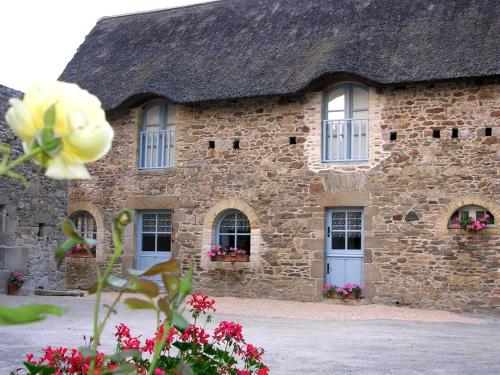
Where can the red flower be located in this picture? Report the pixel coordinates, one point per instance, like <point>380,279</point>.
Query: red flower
<point>201,304</point>
<point>195,334</point>
<point>228,330</point>
<point>159,371</point>
<point>253,353</point>
<point>243,372</point>
<point>122,331</point>
<point>262,371</point>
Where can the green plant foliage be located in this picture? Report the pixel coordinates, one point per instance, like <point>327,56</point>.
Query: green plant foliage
<point>28,313</point>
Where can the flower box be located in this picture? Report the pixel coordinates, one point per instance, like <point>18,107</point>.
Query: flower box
<point>13,289</point>
<point>231,258</point>
<point>81,254</point>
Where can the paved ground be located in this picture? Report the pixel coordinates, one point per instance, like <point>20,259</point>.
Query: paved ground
<point>440,343</point>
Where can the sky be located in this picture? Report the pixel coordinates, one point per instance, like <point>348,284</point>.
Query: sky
<point>39,37</point>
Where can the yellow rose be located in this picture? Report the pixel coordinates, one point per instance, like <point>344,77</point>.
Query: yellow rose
<point>80,124</point>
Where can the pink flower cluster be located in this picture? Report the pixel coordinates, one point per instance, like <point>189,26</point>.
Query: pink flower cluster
<point>470,224</point>
<point>349,291</point>
<point>16,278</point>
<point>219,250</point>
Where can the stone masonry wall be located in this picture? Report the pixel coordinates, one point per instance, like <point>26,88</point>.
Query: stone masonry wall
<point>408,189</point>
<point>29,218</point>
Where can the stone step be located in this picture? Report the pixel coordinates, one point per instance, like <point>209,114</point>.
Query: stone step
<point>59,293</point>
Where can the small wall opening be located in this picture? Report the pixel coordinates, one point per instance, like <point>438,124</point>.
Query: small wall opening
<point>454,133</point>
<point>488,132</point>
<point>436,133</point>
<point>211,144</point>
<point>236,144</point>
<point>393,136</point>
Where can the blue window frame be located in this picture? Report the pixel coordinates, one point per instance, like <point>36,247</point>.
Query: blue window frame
<point>233,230</point>
<point>345,123</point>
<point>157,136</point>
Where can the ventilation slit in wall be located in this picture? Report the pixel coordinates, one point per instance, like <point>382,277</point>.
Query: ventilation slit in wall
<point>488,132</point>
<point>40,229</point>
<point>211,144</point>
<point>293,140</point>
<point>393,136</point>
<point>236,144</point>
<point>454,133</point>
<point>436,133</point>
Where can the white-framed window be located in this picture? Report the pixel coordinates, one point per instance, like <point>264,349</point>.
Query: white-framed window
<point>155,230</point>
<point>233,230</point>
<point>474,212</point>
<point>85,224</point>
<point>157,136</point>
<point>346,227</point>
<point>345,123</point>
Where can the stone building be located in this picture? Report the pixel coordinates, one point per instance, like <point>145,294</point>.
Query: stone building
<point>29,218</point>
<point>333,141</point>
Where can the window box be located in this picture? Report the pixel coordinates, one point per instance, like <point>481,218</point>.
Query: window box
<point>231,258</point>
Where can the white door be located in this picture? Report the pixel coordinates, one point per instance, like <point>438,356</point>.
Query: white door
<point>344,249</point>
<point>154,238</point>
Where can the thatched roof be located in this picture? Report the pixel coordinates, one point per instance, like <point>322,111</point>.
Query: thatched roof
<point>241,48</point>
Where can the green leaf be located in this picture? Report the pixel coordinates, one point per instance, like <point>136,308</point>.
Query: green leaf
<point>163,305</point>
<point>69,230</point>
<point>49,117</point>
<point>146,287</point>
<point>65,246</point>
<point>138,304</point>
<point>169,266</point>
<point>171,284</point>
<point>39,369</point>
<point>27,313</point>
<point>184,287</point>
<point>125,354</point>
<point>178,321</point>
<point>93,288</point>
<point>117,282</point>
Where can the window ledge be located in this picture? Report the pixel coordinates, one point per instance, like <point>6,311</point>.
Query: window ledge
<point>350,161</point>
<point>156,171</point>
<point>230,266</point>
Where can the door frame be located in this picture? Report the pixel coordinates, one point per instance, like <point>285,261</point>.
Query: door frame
<point>331,254</point>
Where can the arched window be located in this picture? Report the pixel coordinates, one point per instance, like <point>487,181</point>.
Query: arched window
<point>85,224</point>
<point>473,212</point>
<point>345,123</point>
<point>157,136</point>
<point>233,230</point>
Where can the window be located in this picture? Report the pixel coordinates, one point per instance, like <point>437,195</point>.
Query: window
<point>156,231</point>
<point>157,138</point>
<point>233,230</point>
<point>85,224</point>
<point>474,212</point>
<point>346,230</point>
<point>345,123</point>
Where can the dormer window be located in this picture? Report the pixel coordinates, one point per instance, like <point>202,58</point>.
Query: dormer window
<point>157,136</point>
<point>345,123</point>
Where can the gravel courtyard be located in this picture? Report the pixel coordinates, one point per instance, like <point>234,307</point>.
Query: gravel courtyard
<point>300,338</point>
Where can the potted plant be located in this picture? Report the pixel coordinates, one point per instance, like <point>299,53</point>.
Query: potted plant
<point>228,254</point>
<point>470,224</point>
<point>14,283</point>
<point>349,291</point>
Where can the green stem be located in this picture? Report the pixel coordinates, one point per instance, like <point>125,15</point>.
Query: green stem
<point>101,282</point>
<point>6,168</point>
<point>110,310</point>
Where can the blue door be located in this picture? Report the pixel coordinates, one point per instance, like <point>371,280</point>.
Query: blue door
<point>154,238</point>
<point>344,246</point>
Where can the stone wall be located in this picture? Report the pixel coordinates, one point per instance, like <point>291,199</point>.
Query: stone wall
<point>29,216</point>
<point>408,189</point>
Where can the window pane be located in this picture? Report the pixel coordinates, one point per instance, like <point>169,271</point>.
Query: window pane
<point>336,115</point>
<point>164,222</point>
<point>464,214</point>
<point>360,114</point>
<point>226,240</point>
<point>171,114</point>
<point>354,240</point>
<point>338,221</point>
<point>491,219</point>
<point>164,242</point>
<point>336,99</point>
<point>148,242</point>
<point>338,240</point>
<point>228,223</point>
<point>243,224</point>
<point>244,243</point>
<point>360,98</point>
<point>354,221</point>
<point>149,223</point>
<point>153,118</point>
